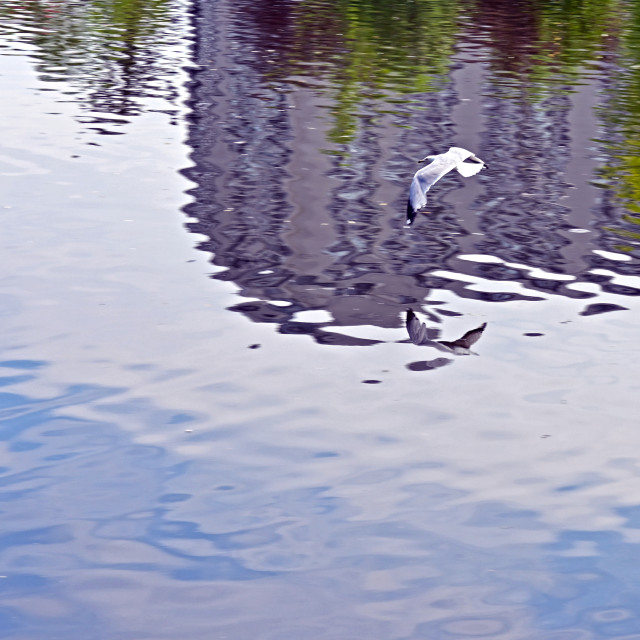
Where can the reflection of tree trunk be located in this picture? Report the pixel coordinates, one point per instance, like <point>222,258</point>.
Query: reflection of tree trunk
<point>128,71</point>
<point>581,197</point>
<point>311,226</point>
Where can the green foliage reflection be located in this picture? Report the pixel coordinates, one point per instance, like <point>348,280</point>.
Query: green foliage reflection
<point>107,49</point>
<point>370,48</point>
<point>376,48</point>
<point>621,116</point>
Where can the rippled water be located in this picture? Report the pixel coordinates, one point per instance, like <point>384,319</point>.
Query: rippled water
<point>203,223</point>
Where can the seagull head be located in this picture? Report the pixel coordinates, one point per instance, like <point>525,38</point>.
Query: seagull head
<point>428,158</point>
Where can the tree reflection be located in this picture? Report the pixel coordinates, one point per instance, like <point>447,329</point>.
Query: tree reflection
<point>545,44</point>
<point>621,115</point>
<point>299,230</point>
<point>353,50</point>
<point>366,50</point>
<point>113,53</point>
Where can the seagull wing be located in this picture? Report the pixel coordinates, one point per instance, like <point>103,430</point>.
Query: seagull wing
<point>467,169</point>
<point>417,330</point>
<point>471,337</point>
<point>423,180</point>
<point>418,192</point>
<point>468,339</point>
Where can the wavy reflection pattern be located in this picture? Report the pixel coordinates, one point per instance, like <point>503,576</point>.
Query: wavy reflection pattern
<point>270,549</point>
<point>299,220</point>
<point>117,59</point>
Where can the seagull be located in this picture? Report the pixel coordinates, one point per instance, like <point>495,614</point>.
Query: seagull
<point>421,335</point>
<point>439,165</point>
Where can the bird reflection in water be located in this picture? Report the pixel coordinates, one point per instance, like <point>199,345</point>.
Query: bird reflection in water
<point>422,335</point>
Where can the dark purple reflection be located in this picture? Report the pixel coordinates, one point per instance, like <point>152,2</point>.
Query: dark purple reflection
<point>302,171</point>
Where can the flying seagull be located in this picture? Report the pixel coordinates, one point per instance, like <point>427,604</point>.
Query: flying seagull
<point>440,165</point>
<point>420,334</point>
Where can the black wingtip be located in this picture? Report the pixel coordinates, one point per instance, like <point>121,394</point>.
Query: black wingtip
<point>411,213</point>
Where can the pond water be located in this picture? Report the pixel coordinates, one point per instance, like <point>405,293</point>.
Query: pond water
<point>212,421</point>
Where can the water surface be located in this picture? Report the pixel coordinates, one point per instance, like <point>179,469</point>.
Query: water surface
<point>203,211</point>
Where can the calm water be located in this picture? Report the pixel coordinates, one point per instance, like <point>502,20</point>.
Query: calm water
<point>212,424</point>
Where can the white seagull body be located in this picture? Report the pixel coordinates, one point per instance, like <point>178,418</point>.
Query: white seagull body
<point>440,165</point>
